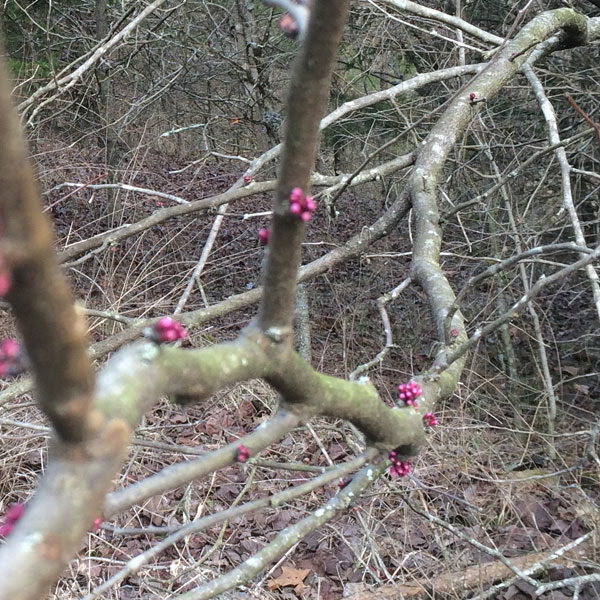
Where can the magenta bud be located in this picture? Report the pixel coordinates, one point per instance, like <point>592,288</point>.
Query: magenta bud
<point>97,523</point>
<point>9,348</point>
<point>5,282</point>
<point>288,26</point>
<point>242,454</point>
<point>296,195</point>
<point>12,515</point>
<point>305,216</point>
<point>263,236</point>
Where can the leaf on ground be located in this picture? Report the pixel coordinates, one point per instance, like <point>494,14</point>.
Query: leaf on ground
<point>289,576</point>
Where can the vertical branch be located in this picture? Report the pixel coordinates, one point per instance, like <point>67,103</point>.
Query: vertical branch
<point>54,334</point>
<point>565,173</point>
<point>306,103</point>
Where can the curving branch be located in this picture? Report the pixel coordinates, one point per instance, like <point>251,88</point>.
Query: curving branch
<point>500,266</point>
<point>289,536</point>
<point>104,239</point>
<point>353,247</point>
<point>449,356</point>
<point>426,174</point>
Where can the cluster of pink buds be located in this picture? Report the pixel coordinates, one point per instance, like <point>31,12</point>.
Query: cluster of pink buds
<point>247,179</point>
<point>472,96</point>
<point>12,358</point>
<point>263,236</point>
<point>399,468</point>
<point>301,206</point>
<point>13,514</point>
<point>430,419</point>
<point>342,483</point>
<point>242,454</point>
<point>167,330</point>
<point>409,392</point>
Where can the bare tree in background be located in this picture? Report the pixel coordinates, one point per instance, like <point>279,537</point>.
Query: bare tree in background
<point>93,418</point>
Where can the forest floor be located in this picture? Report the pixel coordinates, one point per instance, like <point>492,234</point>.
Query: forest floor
<point>490,472</point>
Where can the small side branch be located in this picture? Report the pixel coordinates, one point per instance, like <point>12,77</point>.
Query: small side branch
<point>291,535</point>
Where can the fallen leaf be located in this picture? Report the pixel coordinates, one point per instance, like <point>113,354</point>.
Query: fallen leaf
<point>574,371</point>
<point>289,576</point>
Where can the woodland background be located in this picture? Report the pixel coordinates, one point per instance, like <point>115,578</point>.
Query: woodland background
<point>176,112</point>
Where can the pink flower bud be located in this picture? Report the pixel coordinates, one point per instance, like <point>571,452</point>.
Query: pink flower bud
<point>247,179</point>
<point>5,282</point>
<point>296,195</point>
<point>305,216</point>
<point>288,26</point>
<point>13,514</point>
<point>400,468</point>
<point>472,96</point>
<point>311,205</point>
<point>13,360</point>
<point>263,236</point>
<point>295,208</point>
<point>9,348</point>
<point>97,523</point>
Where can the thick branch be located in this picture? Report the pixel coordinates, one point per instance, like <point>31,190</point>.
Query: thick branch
<point>70,495</point>
<point>427,171</point>
<point>53,332</point>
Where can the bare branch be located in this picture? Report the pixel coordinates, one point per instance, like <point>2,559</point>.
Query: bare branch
<point>307,99</point>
